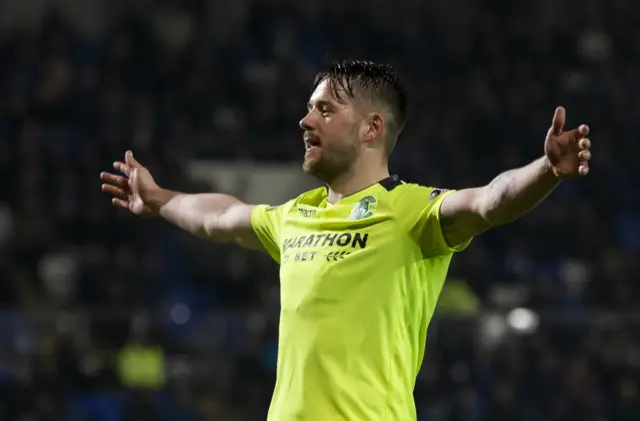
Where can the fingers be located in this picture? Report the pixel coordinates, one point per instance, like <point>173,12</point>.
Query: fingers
<point>580,134</point>
<point>133,185</point>
<point>120,195</point>
<point>559,118</point>
<point>128,165</point>
<point>583,130</point>
<point>130,160</point>
<point>114,179</point>
<point>583,169</point>
<point>584,155</point>
<point>122,167</point>
<point>115,191</point>
<point>584,143</point>
<point>120,203</point>
<point>117,185</point>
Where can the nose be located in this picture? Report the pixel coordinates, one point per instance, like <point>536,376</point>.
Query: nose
<point>306,123</point>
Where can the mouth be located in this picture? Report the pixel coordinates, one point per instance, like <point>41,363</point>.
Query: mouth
<point>311,142</point>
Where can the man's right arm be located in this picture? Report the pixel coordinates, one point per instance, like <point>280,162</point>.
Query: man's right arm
<point>218,217</point>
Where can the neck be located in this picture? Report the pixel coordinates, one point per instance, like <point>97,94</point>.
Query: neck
<point>359,177</point>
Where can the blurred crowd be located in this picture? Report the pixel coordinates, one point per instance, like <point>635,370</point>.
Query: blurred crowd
<point>106,317</point>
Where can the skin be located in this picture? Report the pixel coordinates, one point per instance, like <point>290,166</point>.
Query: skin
<point>352,139</point>
<point>350,155</point>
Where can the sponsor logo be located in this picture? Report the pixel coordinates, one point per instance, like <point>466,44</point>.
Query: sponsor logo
<point>363,209</point>
<point>334,256</point>
<point>345,239</point>
<point>305,256</point>
<point>305,248</point>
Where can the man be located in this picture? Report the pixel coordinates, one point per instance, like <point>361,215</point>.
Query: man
<point>363,260</point>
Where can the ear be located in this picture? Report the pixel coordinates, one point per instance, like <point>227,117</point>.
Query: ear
<point>374,127</point>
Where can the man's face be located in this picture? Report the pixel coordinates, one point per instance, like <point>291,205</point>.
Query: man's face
<point>330,134</point>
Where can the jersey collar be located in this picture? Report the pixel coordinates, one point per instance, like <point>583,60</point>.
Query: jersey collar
<point>388,184</point>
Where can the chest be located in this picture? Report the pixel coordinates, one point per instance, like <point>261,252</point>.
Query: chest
<point>327,259</point>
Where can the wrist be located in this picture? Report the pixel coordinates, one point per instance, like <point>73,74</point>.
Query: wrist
<point>158,197</point>
<point>549,173</point>
<point>547,169</point>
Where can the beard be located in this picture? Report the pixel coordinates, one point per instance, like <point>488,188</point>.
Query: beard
<point>327,163</point>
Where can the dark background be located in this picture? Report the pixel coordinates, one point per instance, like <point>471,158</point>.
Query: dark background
<point>83,285</point>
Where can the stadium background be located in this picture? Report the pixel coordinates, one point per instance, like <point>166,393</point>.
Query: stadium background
<point>106,317</point>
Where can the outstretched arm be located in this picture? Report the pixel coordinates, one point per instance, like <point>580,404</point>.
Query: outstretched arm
<point>219,217</point>
<point>469,212</point>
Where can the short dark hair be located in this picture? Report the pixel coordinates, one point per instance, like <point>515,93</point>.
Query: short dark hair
<point>369,80</point>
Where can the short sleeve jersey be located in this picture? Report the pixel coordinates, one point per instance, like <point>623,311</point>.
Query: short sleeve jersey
<point>359,284</point>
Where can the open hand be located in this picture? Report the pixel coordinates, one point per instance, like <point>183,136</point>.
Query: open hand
<point>132,190</point>
<point>568,152</point>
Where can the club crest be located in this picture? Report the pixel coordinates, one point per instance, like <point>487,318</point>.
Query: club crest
<point>363,209</point>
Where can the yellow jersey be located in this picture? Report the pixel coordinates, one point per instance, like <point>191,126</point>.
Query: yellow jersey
<point>359,283</point>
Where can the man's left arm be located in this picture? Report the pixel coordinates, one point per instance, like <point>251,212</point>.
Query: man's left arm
<point>469,212</point>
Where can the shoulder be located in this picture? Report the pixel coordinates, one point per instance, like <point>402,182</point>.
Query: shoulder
<point>314,196</point>
<point>307,198</point>
<point>414,195</point>
<point>415,204</point>
<point>267,220</point>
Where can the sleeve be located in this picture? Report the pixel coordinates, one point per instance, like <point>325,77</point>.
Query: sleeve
<point>422,220</point>
<point>267,224</point>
